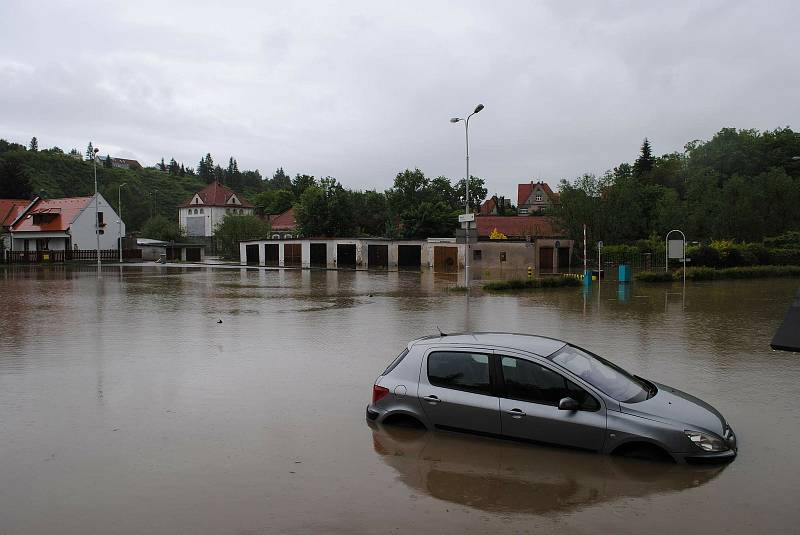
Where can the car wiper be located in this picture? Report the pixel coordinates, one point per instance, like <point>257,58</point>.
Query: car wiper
<point>650,387</point>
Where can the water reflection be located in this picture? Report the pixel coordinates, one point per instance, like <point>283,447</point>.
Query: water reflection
<point>499,476</point>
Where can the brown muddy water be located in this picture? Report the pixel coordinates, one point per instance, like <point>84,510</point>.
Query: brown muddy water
<point>125,408</point>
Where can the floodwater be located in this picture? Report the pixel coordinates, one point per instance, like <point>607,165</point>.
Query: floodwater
<point>126,408</point>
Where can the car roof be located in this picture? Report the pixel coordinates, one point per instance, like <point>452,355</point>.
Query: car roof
<point>540,345</point>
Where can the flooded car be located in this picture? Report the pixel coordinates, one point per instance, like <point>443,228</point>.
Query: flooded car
<point>537,389</point>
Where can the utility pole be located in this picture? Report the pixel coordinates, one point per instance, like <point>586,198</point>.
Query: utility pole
<point>96,209</point>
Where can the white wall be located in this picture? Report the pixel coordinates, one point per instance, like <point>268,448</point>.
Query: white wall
<point>82,229</point>
<point>213,215</point>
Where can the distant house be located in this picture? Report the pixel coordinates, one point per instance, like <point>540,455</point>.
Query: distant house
<point>10,209</point>
<point>200,214</point>
<point>495,205</point>
<point>123,163</point>
<point>283,225</point>
<point>534,198</point>
<point>68,223</point>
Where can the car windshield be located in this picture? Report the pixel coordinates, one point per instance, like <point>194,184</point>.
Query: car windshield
<point>603,375</point>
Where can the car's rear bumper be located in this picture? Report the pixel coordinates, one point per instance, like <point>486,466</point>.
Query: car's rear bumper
<point>372,415</point>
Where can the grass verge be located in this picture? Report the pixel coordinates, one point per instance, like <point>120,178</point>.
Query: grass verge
<point>530,284</point>
<point>705,273</point>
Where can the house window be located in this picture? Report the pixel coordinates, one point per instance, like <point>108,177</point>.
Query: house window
<point>42,244</point>
<point>523,211</point>
<point>538,198</point>
<point>100,222</point>
<point>201,210</point>
<point>476,254</point>
<point>503,256</point>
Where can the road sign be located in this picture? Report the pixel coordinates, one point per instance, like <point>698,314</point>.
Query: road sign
<point>675,249</point>
<point>463,218</point>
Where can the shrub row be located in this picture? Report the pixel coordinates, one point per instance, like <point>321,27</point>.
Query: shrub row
<point>529,284</point>
<point>706,273</point>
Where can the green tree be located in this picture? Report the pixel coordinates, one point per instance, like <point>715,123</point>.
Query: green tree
<point>326,210</point>
<point>159,227</point>
<point>205,169</point>
<point>280,180</point>
<point>477,193</point>
<point>300,183</point>
<point>173,168</point>
<point>645,162</point>
<point>235,228</point>
<point>108,163</point>
<point>273,201</point>
<point>90,152</point>
<point>34,145</point>
<point>14,180</point>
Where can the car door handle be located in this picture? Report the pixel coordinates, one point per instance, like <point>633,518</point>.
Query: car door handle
<point>432,399</point>
<point>516,413</point>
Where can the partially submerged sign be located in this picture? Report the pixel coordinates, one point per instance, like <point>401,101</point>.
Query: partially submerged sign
<point>675,249</point>
<point>788,336</point>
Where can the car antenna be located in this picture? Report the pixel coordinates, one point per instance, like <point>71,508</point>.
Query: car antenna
<point>440,331</point>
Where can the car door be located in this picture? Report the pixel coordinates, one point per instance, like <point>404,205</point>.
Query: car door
<point>455,390</point>
<point>529,394</point>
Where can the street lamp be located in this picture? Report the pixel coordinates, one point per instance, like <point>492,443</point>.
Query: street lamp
<point>96,209</point>
<point>119,223</point>
<point>478,108</point>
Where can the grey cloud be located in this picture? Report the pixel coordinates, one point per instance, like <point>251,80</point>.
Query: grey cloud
<point>361,91</point>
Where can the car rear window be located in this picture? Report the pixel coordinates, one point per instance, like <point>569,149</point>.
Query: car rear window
<point>396,361</point>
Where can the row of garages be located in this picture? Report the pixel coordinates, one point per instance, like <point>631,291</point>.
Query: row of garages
<point>443,255</point>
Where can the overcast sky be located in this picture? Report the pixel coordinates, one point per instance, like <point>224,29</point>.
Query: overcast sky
<point>362,90</point>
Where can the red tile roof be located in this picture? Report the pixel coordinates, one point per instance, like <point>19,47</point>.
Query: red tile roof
<point>62,213</point>
<point>215,194</point>
<point>10,210</point>
<point>518,226</point>
<point>282,221</point>
<point>524,191</point>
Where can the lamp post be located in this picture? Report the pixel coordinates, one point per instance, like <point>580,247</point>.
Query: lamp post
<point>478,108</point>
<point>96,209</point>
<point>119,223</point>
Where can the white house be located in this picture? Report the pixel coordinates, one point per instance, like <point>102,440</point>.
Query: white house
<point>68,223</point>
<point>200,215</point>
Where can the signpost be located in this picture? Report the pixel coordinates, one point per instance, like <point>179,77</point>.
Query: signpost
<point>675,249</point>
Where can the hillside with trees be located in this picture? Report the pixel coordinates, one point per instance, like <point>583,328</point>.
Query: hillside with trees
<point>740,185</point>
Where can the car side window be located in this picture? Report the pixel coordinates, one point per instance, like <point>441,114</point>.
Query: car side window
<point>525,380</point>
<point>460,371</point>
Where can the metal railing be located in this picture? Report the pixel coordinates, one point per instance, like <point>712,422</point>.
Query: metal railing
<point>70,255</point>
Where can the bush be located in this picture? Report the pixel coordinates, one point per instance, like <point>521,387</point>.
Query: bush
<point>530,284</point>
<point>621,250</point>
<point>654,276</point>
<point>784,257</point>
<point>787,240</point>
<point>704,256</point>
<point>759,253</point>
<point>705,273</point>
<point>160,228</point>
<point>236,228</point>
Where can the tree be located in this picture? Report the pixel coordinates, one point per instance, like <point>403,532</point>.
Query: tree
<point>273,201</point>
<point>183,171</point>
<point>34,145</point>
<point>205,169</point>
<point>173,168</point>
<point>162,166</point>
<point>14,180</point>
<point>108,163</point>
<point>300,183</point>
<point>90,152</point>
<point>235,228</point>
<point>645,162</point>
<point>326,210</point>
<point>159,227</point>
<point>477,193</point>
<point>233,178</point>
<point>280,180</point>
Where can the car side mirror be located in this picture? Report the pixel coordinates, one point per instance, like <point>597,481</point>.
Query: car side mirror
<point>568,404</point>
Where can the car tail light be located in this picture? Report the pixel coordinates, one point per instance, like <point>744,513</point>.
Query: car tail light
<point>378,393</point>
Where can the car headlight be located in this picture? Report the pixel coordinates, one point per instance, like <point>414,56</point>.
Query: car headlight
<point>706,441</point>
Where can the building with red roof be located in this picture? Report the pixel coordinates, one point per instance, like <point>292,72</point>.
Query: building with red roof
<point>535,197</point>
<point>515,227</point>
<point>204,210</point>
<point>66,223</point>
<point>283,225</point>
<point>10,209</point>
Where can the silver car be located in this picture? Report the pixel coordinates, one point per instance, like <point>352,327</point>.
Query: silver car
<point>539,389</point>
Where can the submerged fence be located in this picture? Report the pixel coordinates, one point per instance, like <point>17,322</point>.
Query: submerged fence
<point>70,255</point>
